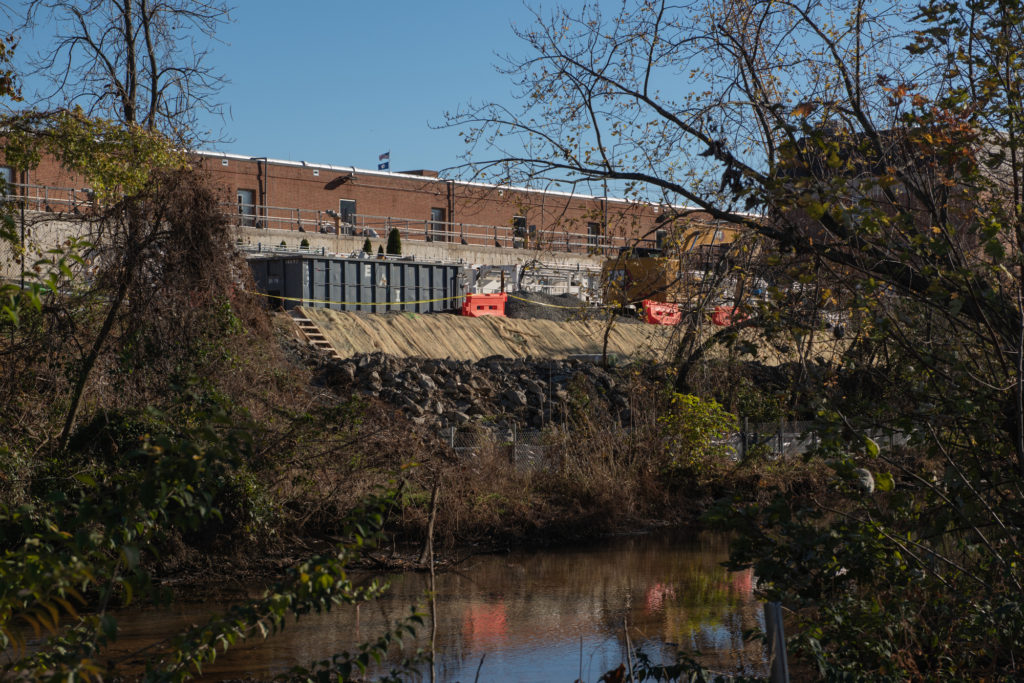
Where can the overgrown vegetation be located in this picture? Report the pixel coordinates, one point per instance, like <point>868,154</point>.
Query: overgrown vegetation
<point>877,148</point>
<point>149,412</point>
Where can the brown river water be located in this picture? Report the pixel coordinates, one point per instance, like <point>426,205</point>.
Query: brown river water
<point>528,616</point>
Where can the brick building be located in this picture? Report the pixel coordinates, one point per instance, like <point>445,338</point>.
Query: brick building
<point>263,193</point>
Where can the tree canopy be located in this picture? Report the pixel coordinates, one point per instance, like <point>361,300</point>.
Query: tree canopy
<point>876,145</point>
<point>138,62</point>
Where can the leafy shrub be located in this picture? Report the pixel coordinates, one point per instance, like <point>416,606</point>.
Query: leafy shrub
<point>694,430</point>
<point>394,242</point>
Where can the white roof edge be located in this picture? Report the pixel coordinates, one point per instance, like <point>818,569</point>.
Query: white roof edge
<point>466,183</point>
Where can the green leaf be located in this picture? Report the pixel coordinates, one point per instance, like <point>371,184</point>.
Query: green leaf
<point>871,446</point>
<point>884,481</point>
<point>87,480</point>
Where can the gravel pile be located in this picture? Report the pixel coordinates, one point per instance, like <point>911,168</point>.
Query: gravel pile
<point>560,307</point>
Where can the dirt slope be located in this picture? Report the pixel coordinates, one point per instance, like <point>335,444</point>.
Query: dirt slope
<point>462,338</point>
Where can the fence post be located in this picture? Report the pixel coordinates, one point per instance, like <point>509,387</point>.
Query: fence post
<point>778,665</point>
<point>744,435</point>
<point>451,437</point>
<point>781,425</point>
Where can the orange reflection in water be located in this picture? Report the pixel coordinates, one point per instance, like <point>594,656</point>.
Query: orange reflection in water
<point>743,582</point>
<point>485,625</point>
<point>656,595</point>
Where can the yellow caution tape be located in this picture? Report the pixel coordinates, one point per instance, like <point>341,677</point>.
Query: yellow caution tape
<point>353,303</point>
<point>399,303</point>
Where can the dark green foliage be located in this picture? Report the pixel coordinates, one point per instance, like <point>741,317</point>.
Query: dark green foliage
<point>394,242</point>
<point>95,533</point>
<point>367,247</point>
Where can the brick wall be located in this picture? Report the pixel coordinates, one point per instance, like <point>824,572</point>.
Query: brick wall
<point>407,200</point>
<point>293,195</point>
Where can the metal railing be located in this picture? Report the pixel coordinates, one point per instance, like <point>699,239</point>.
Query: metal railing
<point>53,199</point>
<point>50,198</point>
<point>427,230</point>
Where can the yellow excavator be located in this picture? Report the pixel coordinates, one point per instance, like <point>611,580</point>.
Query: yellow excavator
<point>669,272</point>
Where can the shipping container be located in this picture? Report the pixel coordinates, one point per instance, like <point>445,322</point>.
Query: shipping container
<point>355,284</point>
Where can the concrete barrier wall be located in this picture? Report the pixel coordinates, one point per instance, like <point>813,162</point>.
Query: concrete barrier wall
<point>427,251</point>
<point>44,231</point>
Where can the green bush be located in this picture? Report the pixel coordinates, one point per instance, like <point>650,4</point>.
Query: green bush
<point>367,247</point>
<point>694,429</point>
<point>394,242</point>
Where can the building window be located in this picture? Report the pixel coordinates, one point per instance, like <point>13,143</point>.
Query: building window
<point>438,231</point>
<point>347,210</point>
<point>593,234</point>
<point>660,238</point>
<point>519,237</point>
<point>519,226</point>
<point>7,176</point>
<point>247,208</point>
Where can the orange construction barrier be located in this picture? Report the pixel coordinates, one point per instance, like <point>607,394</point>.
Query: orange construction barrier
<point>656,313</point>
<point>476,305</point>
<point>724,316</point>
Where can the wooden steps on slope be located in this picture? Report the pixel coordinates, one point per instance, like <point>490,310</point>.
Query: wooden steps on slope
<point>311,333</point>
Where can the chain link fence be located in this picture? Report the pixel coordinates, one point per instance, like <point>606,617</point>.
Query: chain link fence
<point>530,448</point>
<point>524,448</point>
<point>10,261</point>
<point>795,438</point>
<point>10,253</point>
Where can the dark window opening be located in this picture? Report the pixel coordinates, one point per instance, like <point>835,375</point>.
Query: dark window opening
<point>593,234</point>
<point>347,210</point>
<point>519,236</point>
<point>519,226</point>
<point>247,208</point>
<point>7,176</point>
<point>438,230</point>
<point>660,237</point>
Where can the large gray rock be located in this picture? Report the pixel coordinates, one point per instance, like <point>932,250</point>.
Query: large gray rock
<point>513,398</point>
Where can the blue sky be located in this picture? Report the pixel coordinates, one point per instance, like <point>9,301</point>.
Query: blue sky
<point>343,81</point>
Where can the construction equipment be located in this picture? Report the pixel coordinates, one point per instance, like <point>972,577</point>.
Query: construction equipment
<point>669,273</point>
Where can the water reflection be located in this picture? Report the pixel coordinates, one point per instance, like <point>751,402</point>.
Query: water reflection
<point>539,616</point>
